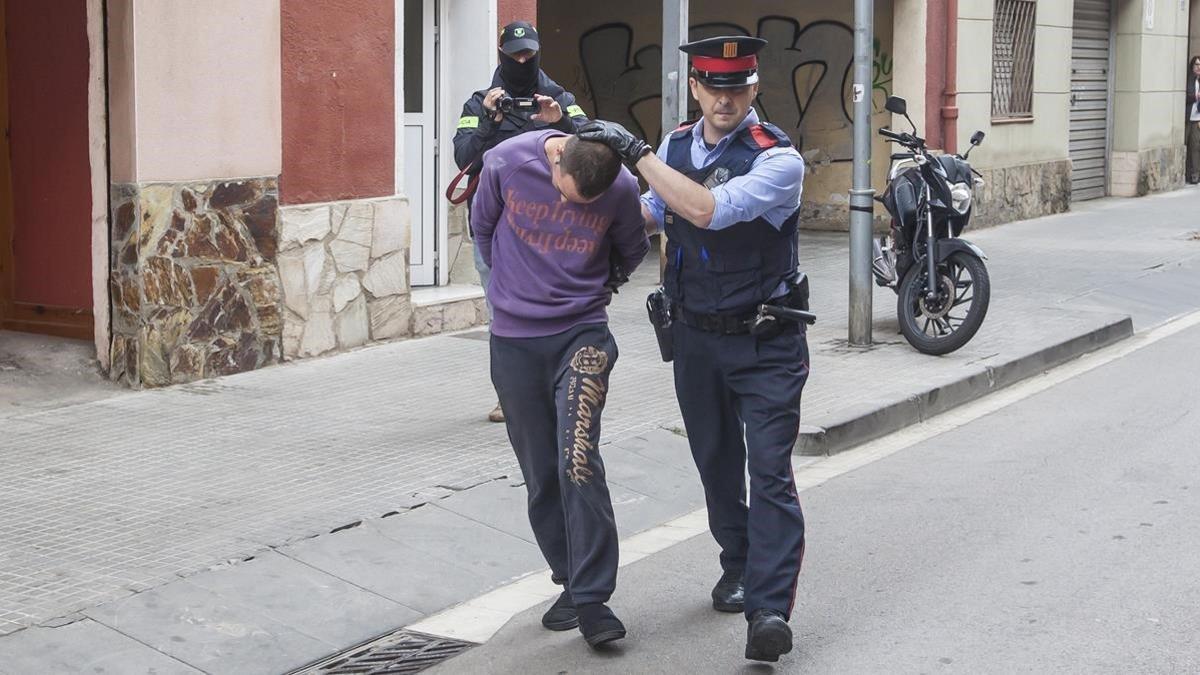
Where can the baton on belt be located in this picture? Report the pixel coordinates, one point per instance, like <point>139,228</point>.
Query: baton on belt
<point>789,314</point>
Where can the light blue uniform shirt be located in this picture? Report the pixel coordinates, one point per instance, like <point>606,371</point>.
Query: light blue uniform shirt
<point>770,189</point>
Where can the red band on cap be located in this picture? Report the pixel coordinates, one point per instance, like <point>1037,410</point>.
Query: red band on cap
<point>715,64</point>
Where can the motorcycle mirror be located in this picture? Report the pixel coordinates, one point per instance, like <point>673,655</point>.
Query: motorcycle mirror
<point>899,106</point>
<point>977,138</point>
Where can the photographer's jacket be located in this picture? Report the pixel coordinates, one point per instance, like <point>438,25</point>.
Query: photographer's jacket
<point>477,133</point>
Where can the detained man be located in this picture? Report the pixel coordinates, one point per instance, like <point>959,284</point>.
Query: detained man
<point>550,213</point>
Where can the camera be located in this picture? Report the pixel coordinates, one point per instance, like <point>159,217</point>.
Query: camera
<point>508,103</point>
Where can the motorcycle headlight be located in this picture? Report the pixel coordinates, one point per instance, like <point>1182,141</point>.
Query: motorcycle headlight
<point>960,196</point>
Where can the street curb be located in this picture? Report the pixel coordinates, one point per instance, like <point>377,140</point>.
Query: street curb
<point>870,421</point>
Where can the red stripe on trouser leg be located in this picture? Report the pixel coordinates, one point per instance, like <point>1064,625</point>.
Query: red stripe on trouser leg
<point>803,537</point>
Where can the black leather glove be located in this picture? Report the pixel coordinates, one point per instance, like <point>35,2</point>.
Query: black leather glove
<point>628,147</point>
<point>617,276</point>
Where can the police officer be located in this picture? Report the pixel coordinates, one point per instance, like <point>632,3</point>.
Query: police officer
<point>484,124</point>
<point>727,191</point>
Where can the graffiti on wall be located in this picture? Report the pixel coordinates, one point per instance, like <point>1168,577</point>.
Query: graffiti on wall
<point>805,72</point>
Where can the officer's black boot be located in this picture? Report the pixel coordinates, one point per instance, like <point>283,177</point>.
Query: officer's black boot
<point>768,636</point>
<point>729,595</point>
<point>561,615</point>
<point>598,624</point>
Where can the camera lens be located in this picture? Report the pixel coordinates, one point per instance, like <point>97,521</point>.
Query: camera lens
<point>505,103</point>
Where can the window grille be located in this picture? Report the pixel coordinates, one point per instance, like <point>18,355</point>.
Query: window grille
<point>1012,59</point>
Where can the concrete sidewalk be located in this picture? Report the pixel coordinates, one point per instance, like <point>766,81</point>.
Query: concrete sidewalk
<point>132,542</point>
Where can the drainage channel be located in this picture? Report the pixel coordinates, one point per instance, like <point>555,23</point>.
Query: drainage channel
<point>398,653</point>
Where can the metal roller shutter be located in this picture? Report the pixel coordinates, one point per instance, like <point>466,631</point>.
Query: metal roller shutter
<point>1089,99</point>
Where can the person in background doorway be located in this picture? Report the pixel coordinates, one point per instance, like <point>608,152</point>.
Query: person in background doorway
<point>488,118</point>
<point>1192,137</point>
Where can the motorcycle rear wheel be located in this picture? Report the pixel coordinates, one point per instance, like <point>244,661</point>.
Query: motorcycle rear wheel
<point>942,326</point>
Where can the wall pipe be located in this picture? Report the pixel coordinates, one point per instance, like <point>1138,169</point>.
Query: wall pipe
<point>950,104</point>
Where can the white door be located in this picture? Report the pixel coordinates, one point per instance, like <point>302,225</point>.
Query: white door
<point>420,136</point>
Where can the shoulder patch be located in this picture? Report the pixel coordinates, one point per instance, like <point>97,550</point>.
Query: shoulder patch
<point>766,135</point>
<point>683,129</point>
<point>468,122</point>
<point>762,138</point>
<point>575,111</point>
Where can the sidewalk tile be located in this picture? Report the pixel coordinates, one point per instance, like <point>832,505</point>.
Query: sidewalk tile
<point>671,484</point>
<point>306,599</point>
<point>499,505</point>
<point>476,547</point>
<point>83,647</point>
<point>209,631</point>
<point>367,558</point>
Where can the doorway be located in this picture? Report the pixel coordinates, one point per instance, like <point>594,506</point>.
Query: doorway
<point>420,141</point>
<point>45,169</point>
<point>1091,68</point>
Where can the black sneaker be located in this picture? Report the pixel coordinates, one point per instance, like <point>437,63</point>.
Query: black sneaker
<point>561,615</point>
<point>598,624</point>
<point>729,595</point>
<point>768,636</point>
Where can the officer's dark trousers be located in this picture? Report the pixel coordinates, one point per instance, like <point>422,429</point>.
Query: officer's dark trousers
<point>553,390</point>
<point>740,399</point>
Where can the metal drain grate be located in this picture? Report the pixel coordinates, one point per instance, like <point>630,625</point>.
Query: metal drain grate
<point>398,653</point>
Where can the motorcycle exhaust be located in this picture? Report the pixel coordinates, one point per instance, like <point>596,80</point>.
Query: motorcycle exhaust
<point>883,264</point>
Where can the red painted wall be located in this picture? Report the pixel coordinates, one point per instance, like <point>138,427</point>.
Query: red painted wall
<point>338,60</point>
<point>51,173</point>
<point>508,11</point>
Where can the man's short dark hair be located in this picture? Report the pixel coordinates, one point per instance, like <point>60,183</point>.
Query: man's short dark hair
<point>593,165</point>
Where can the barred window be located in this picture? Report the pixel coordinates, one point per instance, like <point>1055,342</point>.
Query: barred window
<point>1012,59</point>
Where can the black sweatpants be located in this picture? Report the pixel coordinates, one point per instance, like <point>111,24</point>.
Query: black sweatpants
<point>740,399</point>
<point>553,390</point>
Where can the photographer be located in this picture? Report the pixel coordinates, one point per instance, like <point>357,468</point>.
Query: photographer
<point>505,110</point>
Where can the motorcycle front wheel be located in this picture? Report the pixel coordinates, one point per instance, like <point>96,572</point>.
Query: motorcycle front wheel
<point>945,323</point>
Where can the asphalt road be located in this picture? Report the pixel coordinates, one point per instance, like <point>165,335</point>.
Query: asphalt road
<point>1059,534</point>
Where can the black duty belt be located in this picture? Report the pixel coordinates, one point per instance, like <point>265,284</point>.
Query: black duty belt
<point>725,324</point>
<point>759,321</point>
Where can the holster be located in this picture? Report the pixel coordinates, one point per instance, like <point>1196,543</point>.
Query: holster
<point>658,306</point>
<point>797,296</point>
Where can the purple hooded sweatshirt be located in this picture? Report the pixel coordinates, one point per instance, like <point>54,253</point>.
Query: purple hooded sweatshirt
<point>549,256</point>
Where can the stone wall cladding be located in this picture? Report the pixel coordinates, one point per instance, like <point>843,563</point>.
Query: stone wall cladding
<point>1160,169</point>
<point>461,248</point>
<point>451,316</point>
<point>193,281</point>
<point>1015,193</point>
<point>1009,194</point>
<point>344,270</point>
<point>836,217</point>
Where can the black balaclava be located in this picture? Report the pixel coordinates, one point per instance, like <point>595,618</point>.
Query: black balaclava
<point>520,79</point>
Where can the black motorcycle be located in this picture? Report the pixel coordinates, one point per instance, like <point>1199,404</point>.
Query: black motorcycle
<point>941,280</point>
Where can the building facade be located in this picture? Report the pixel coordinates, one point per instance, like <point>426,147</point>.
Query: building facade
<point>203,188</point>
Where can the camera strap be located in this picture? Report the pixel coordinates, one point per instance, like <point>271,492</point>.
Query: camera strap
<point>470,190</point>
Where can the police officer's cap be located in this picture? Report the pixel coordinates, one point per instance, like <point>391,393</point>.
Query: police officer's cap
<point>726,61</point>
<point>519,36</point>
